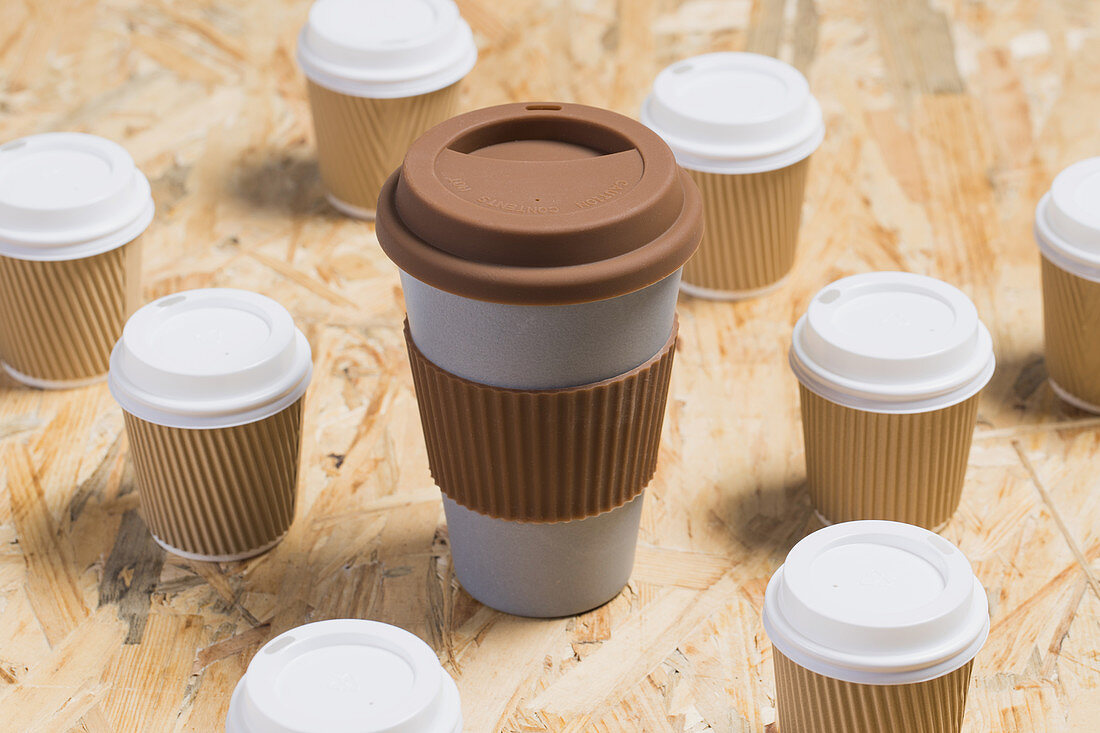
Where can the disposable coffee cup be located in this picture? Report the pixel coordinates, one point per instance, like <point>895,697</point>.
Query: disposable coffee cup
<point>345,676</point>
<point>72,211</point>
<point>744,126</point>
<point>211,384</point>
<point>890,366</point>
<point>874,628</point>
<point>540,247</point>
<point>379,74</point>
<point>1067,229</point>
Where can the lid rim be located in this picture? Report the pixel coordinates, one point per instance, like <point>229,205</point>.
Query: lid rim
<point>120,237</point>
<point>750,166</point>
<point>867,674</point>
<point>846,392</point>
<point>799,146</point>
<point>1059,250</point>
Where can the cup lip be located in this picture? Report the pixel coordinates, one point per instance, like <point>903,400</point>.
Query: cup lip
<point>1059,250</point>
<point>245,707</point>
<point>274,393</point>
<point>123,209</point>
<point>449,67</point>
<point>962,591</point>
<point>965,376</point>
<point>745,157</point>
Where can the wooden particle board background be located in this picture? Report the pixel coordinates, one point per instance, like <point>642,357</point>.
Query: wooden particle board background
<point>947,120</point>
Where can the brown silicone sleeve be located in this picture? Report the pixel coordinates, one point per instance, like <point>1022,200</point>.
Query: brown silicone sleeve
<point>542,455</point>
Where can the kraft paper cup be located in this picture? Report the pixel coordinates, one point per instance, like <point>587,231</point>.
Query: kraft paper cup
<point>72,211</point>
<point>744,127</point>
<point>345,675</point>
<point>874,628</point>
<point>890,366</point>
<point>211,383</point>
<point>1067,229</point>
<point>541,247</point>
<point>379,74</point>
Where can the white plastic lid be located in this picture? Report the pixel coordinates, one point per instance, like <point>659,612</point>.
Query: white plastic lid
<point>384,48</point>
<point>892,342</point>
<point>734,113</point>
<point>876,602</point>
<point>1067,220</point>
<point>209,358</point>
<point>345,676</point>
<point>66,195</point>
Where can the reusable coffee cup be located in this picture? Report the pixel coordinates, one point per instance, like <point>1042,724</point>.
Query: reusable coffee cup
<point>345,676</point>
<point>540,248</point>
<point>890,365</point>
<point>211,384</point>
<point>1067,228</point>
<point>72,211</point>
<point>874,628</point>
<point>744,127</point>
<point>379,74</point>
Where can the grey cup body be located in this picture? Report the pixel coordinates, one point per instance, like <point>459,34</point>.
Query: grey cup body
<point>528,568</point>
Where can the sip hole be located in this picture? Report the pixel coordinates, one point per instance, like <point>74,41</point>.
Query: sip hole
<point>279,645</point>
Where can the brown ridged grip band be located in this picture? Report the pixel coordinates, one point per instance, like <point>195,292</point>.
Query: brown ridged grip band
<point>542,455</point>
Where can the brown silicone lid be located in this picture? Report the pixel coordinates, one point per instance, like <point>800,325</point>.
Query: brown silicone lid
<point>539,204</point>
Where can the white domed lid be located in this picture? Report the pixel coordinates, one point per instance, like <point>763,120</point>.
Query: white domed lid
<point>345,676</point>
<point>386,49</point>
<point>892,342</point>
<point>734,113</point>
<point>209,358</point>
<point>1067,220</point>
<point>65,195</point>
<point>876,602</point>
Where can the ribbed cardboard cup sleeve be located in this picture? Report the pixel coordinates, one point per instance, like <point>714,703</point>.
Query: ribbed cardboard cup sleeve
<point>812,703</point>
<point>1071,314</point>
<point>218,494</point>
<point>59,320</point>
<point>873,465</point>
<point>361,141</point>
<point>751,224</point>
<point>543,455</point>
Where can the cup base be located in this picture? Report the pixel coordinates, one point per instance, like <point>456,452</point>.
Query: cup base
<point>828,522</point>
<point>543,570</point>
<point>696,291</point>
<point>356,212</point>
<point>218,558</point>
<point>1077,402</point>
<point>29,381</point>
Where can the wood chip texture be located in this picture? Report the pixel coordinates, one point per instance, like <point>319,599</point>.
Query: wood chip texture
<point>946,122</point>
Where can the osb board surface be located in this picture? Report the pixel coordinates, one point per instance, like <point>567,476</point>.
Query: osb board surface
<point>947,121</point>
